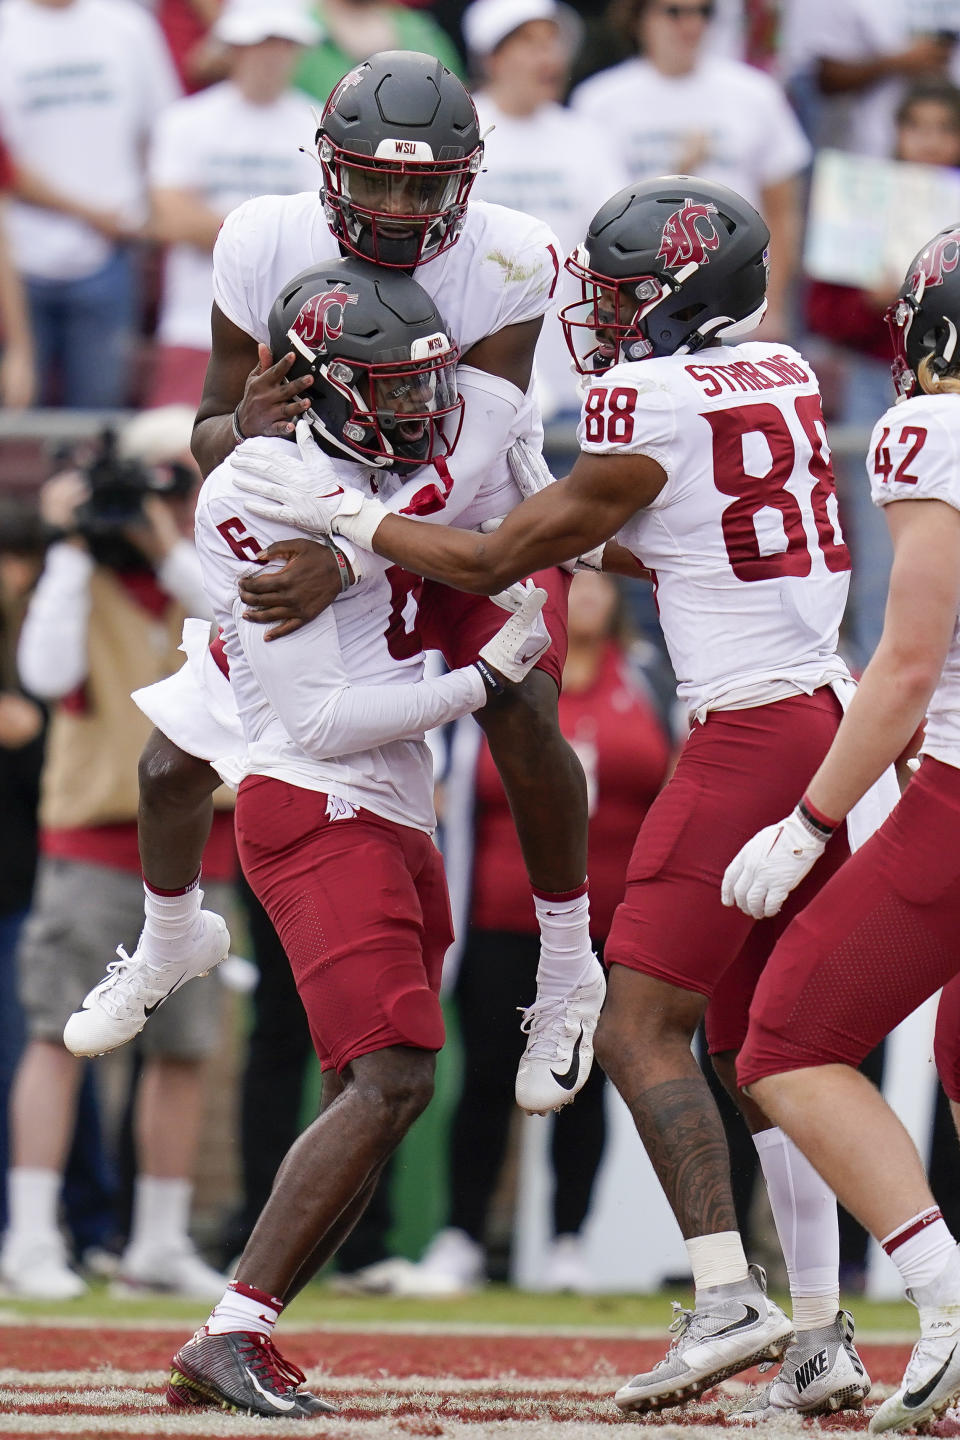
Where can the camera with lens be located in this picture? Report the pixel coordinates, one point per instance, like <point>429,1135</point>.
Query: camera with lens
<point>115,506</point>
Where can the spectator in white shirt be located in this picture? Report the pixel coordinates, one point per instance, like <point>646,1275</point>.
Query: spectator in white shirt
<point>675,108</point>
<point>539,157</point>
<point>857,57</point>
<point>80,84</point>
<point>211,152</point>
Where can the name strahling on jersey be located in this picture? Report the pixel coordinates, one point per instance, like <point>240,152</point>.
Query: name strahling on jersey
<point>743,375</point>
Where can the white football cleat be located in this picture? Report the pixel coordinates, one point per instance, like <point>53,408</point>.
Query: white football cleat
<point>931,1381</point>
<point>118,1008</point>
<point>821,1372</point>
<point>733,1327</point>
<point>559,1053</point>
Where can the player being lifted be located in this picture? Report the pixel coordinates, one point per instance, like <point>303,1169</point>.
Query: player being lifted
<point>881,936</point>
<point>335,802</point>
<point>399,148</point>
<point>707,458</point>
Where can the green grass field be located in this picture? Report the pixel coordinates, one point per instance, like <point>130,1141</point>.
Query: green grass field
<point>494,1305</point>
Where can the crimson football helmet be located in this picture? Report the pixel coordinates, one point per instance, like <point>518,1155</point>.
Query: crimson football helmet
<point>384,371</point>
<point>400,148</point>
<point>668,266</point>
<point>925,317</point>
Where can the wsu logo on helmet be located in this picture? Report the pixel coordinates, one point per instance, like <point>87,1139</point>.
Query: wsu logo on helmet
<point>688,235</point>
<point>321,318</point>
<point>939,258</point>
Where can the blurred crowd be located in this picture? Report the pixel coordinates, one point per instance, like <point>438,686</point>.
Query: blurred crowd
<point>128,131</point>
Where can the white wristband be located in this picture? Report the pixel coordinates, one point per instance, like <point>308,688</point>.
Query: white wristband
<point>362,525</point>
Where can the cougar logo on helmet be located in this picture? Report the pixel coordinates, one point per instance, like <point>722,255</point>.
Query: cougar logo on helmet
<point>683,240</point>
<point>938,259</point>
<point>352,77</point>
<point>321,318</point>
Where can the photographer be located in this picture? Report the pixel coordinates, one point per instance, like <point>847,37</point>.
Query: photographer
<point>105,618</point>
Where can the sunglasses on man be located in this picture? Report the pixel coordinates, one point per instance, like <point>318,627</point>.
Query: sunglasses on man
<point>680,12</point>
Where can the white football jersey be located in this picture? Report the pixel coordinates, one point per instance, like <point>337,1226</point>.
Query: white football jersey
<point>915,455</point>
<point>341,705</point>
<point>751,571</point>
<point>503,270</point>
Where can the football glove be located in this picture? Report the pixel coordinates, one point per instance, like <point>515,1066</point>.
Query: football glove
<point>518,645</point>
<point>762,874</point>
<point>532,474</point>
<point>300,488</point>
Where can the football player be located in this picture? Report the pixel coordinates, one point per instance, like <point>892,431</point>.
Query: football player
<point>707,458</point>
<point>399,147</point>
<point>881,936</point>
<point>334,812</point>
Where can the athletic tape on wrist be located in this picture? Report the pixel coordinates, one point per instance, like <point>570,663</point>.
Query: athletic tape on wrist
<point>362,525</point>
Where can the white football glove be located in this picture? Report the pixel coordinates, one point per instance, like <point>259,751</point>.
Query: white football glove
<point>300,488</point>
<point>532,474</point>
<point>528,468</point>
<point>761,875</point>
<point>518,645</point>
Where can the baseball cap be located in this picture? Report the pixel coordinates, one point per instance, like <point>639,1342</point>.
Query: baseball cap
<point>248,22</point>
<point>486,23</point>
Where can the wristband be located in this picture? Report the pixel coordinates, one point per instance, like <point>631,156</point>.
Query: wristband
<point>490,680</point>
<point>343,565</point>
<point>815,821</point>
<point>238,434</point>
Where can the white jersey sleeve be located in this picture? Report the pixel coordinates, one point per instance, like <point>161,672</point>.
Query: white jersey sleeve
<point>235,287</point>
<point>914,452</point>
<point>915,455</point>
<point>625,413</point>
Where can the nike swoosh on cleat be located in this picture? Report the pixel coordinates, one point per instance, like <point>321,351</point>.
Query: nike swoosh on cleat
<point>568,1079</point>
<point>751,1317</point>
<point>277,1401</point>
<point>149,1009</point>
<point>912,1399</point>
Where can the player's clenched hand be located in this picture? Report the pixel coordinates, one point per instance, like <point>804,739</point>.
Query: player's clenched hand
<point>518,645</point>
<point>761,876</point>
<point>300,488</point>
<point>289,597</point>
<point>271,403</point>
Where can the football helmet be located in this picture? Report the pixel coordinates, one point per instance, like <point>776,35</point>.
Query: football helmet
<point>399,145</point>
<point>668,266</point>
<point>925,317</point>
<point>384,370</point>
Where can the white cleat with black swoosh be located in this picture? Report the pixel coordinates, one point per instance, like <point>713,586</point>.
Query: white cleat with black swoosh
<point>118,1008</point>
<point>733,1327</point>
<point>931,1381</point>
<point>559,1053</point>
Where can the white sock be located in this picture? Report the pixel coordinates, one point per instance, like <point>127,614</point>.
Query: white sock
<point>920,1248</point>
<point>168,919</point>
<point>566,955</point>
<point>717,1259</point>
<point>161,1214</point>
<point>805,1214</point>
<point>244,1308</point>
<point>33,1201</point>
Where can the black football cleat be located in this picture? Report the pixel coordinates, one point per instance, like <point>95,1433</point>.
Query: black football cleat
<point>242,1372</point>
